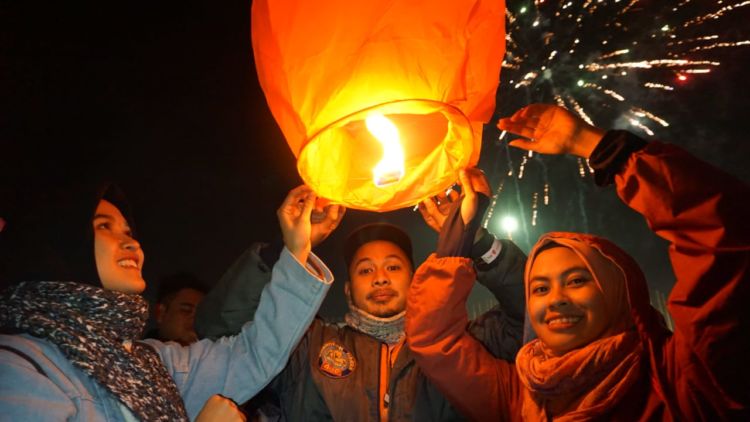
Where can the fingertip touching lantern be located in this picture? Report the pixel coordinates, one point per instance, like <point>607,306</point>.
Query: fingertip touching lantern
<point>382,102</point>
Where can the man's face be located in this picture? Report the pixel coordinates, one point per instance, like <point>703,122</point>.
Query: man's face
<point>176,318</point>
<point>119,257</point>
<point>379,278</point>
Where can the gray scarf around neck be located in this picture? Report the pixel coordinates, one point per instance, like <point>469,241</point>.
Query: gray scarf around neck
<point>387,330</point>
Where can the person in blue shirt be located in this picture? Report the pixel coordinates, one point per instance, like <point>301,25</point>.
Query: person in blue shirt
<point>71,313</point>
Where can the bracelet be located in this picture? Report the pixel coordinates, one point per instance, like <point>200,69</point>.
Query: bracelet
<point>493,253</point>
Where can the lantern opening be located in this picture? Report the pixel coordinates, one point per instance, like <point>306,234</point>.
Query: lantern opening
<point>390,168</point>
<point>389,155</point>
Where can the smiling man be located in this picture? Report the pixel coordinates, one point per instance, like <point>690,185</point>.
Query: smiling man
<point>380,269</point>
<point>363,369</point>
<point>379,276</point>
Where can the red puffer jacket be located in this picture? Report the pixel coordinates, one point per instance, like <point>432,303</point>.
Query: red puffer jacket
<point>697,373</point>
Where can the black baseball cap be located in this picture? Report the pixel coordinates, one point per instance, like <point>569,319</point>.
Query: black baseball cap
<point>377,231</point>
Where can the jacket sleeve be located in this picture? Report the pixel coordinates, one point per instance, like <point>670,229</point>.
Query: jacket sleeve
<point>451,358</point>
<point>240,366</point>
<point>501,328</point>
<point>234,299</point>
<point>704,214</point>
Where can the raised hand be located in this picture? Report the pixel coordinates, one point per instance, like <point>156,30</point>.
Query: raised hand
<point>294,219</point>
<point>220,409</point>
<point>551,130</point>
<point>472,181</point>
<point>461,226</point>
<point>325,218</point>
<point>435,210</point>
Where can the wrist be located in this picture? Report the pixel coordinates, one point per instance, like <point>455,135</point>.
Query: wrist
<point>480,234</point>
<point>587,141</point>
<point>301,255</point>
<point>300,250</point>
<point>482,243</point>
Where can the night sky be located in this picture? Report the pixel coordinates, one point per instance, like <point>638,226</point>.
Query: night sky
<point>162,97</point>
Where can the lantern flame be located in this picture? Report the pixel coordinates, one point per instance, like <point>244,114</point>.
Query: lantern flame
<point>390,169</point>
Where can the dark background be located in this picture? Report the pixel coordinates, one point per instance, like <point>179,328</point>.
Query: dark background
<point>162,97</point>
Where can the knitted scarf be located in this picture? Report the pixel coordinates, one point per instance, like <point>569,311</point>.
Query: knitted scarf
<point>593,378</point>
<point>89,325</point>
<point>387,330</point>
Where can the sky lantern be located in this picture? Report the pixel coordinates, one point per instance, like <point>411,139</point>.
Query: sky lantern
<point>382,102</point>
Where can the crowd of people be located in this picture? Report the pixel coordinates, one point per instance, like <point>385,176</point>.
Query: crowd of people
<point>72,316</point>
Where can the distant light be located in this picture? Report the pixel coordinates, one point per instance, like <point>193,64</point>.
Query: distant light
<point>665,28</point>
<point>536,23</point>
<point>580,82</point>
<point>523,10</point>
<point>509,224</point>
<point>624,73</point>
<point>604,76</point>
<point>682,77</point>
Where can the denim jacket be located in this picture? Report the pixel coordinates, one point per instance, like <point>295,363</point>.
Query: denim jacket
<point>44,385</point>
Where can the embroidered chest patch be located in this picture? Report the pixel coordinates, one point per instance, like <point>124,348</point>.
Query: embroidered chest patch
<point>335,361</point>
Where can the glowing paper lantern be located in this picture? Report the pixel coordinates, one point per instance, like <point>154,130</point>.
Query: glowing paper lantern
<point>382,102</point>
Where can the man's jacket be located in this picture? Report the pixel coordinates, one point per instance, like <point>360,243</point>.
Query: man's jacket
<point>335,373</point>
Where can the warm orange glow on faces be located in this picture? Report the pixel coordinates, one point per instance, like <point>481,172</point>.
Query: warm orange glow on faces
<point>390,168</point>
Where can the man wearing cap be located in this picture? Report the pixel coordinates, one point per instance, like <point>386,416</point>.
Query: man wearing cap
<point>363,370</point>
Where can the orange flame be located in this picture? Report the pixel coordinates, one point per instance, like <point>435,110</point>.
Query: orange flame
<point>390,168</point>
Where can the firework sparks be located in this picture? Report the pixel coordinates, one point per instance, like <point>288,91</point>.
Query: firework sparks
<point>581,167</point>
<point>639,112</point>
<point>648,64</point>
<point>609,92</point>
<point>522,167</point>
<point>606,60</point>
<point>658,86</point>
<point>552,55</point>
<point>717,14</point>
<point>637,123</point>
<point>720,45</point>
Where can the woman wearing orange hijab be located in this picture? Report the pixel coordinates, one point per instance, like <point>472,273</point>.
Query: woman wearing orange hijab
<point>602,352</point>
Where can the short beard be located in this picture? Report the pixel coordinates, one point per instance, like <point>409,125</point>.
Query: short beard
<point>387,313</point>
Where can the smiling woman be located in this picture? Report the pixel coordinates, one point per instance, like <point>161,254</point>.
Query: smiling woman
<point>71,317</point>
<point>603,352</point>
<point>570,303</point>
<point>119,257</point>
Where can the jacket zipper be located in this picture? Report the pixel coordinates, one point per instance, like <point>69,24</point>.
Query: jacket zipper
<point>386,398</point>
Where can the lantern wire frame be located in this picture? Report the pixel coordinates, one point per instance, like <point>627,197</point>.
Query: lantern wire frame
<point>438,141</point>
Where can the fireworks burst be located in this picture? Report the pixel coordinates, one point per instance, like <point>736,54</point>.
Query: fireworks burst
<point>585,54</point>
<point>604,60</point>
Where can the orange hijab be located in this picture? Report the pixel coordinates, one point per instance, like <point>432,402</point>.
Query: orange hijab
<point>590,380</point>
